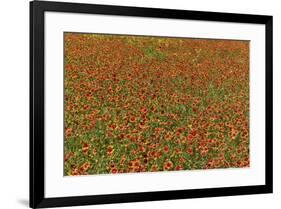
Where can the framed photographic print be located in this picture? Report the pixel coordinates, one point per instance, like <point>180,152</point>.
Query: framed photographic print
<point>135,104</point>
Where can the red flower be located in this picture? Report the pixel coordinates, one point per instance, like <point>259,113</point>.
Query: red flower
<point>68,132</point>
<point>67,156</point>
<point>193,133</point>
<point>68,67</point>
<point>143,110</point>
<point>190,151</point>
<point>114,170</point>
<point>142,148</point>
<point>110,150</point>
<point>85,147</point>
<point>94,151</point>
<point>154,168</point>
<point>132,119</point>
<point>166,149</point>
<point>75,172</point>
<point>112,126</point>
<point>85,167</point>
<point>168,165</point>
<point>179,167</point>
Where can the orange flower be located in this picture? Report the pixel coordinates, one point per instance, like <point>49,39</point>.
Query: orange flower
<point>154,168</point>
<point>142,148</point>
<point>68,156</point>
<point>110,150</point>
<point>75,172</point>
<point>193,133</point>
<point>204,151</point>
<point>168,136</point>
<point>112,126</point>
<point>178,151</point>
<point>114,170</point>
<point>85,167</point>
<point>168,165</point>
<point>142,126</point>
<point>189,138</point>
<point>86,107</point>
<point>143,110</point>
<point>132,119</point>
<point>190,151</point>
<point>68,67</point>
<point>94,151</point>
<point>166,149</point>
<point>179,167</point>
<point>68,132</point>
<point>85,148</point>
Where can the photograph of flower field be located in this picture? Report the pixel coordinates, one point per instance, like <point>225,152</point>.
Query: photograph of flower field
<point>147,104</point>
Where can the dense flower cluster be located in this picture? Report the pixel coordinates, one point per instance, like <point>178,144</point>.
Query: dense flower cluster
<point>138,104</point>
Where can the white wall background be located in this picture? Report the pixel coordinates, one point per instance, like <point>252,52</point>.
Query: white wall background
<point>14,102</point>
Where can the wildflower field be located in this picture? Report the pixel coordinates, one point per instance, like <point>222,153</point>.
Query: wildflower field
<point>144,104</point>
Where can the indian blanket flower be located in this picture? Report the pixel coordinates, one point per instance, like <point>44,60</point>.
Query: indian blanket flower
<point>145,104</point>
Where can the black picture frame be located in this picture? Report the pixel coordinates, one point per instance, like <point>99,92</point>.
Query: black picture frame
<point>37,115</point>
